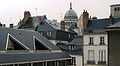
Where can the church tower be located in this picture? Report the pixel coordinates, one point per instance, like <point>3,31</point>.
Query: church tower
<point>115,10</point>
<point>70,17</point>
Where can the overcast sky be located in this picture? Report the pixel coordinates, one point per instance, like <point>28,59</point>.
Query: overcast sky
<point>11,11</point>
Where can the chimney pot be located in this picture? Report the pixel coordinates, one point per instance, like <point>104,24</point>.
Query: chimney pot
<point>11,25</point>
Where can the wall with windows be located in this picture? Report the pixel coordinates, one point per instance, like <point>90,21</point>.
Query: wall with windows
<point>77,60</point>
<point>95,49</point>
<point>115,10</point>
<point>95,55</point>
<point>95,39</point>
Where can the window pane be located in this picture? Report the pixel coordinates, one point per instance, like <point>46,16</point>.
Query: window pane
<point>91,55</point>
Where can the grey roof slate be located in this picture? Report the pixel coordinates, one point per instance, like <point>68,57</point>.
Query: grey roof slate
<point>66,48</point>
<point>46,26</point>
<point>115,25</point>
<point>96,25</point>
<point>25,37</point>
<point>73,52</point>
<point>78,40</point>
<point>70,14</point>
<point>30,57</point>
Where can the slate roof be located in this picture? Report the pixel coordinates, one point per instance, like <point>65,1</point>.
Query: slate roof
<point>115,25</point>
<point>66,48</point>
<point>70,14</point>
<point>72,27</point>
<point>78,40</point>
<point>32,22</point>
<point>25,37</point>
<point>48,25</point>
<point>73,52</point>
<point>30,57</point>
<point>96,25</point>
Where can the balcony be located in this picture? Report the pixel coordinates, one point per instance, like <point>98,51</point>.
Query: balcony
<point>102,62</point>
<point>90,62</point>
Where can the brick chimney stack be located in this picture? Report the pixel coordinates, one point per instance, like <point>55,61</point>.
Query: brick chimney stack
<point>85,19</point>
<point>11,25</point>
<point>62,24</point>
<point>0,24</point>
<point>111,19</point>
<point>26,16</point>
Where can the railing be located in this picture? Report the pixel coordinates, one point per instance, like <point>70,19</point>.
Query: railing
<point>20,51</point>
<point>90,62</point>
<point>102,62</point>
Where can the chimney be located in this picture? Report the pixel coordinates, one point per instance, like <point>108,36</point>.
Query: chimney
<point>94,17</point>
<point>85,19</point>
<point>26,16</point>
<point>11,25</point>
<point>111,19</point>
<point>0,24</point>
<point>62,25</point>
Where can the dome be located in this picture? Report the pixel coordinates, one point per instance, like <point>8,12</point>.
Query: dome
<point>70,14</point>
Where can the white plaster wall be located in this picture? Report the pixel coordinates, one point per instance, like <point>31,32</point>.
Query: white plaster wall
<point>96,52</point>
<point>115,13</point>
<point>96,47</point>
<point>78,60</point>
<point>96,38</point>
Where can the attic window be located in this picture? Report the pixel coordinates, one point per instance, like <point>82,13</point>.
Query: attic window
<point>13,44</point>
<point>72,47</point>
<point>69,35</point>
<point>49,33</point>
<point>39,45</point>
<point>41,33</point>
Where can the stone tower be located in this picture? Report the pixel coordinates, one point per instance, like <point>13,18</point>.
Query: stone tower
<point>115,10</point>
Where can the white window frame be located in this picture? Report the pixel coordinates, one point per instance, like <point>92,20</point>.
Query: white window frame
<point>49,33</point>
<point>91,55</point>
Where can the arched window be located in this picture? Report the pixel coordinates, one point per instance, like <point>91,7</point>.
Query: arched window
<point>118,8</point>
<point>115,9</point>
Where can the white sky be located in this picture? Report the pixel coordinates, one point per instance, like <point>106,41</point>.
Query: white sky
<point>11,11</point>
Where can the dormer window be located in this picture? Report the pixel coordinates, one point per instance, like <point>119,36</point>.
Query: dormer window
<point>41,33</point>
<point>14,44</point>
<point>72,47</point>
<point>49,33</point>
<point>39,45</point>
<point>69,35</point>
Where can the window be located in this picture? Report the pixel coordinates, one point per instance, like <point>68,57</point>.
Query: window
<point>73,61</point>
<point>91,57</point>
<point>102,40</point>
<point>115,9</point>
<point>118,8</point>
<point>69,35</point>
<point>102,57</point>
<point>72,47</point>
<point>39,45</point>
<point>41,33</point>
<point>49,33</point>
<point>91,41</point>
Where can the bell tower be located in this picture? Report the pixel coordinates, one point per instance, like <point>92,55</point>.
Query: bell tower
<point>115,10</point>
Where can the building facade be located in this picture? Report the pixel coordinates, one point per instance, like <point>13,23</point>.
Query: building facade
<point>95,49</point>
